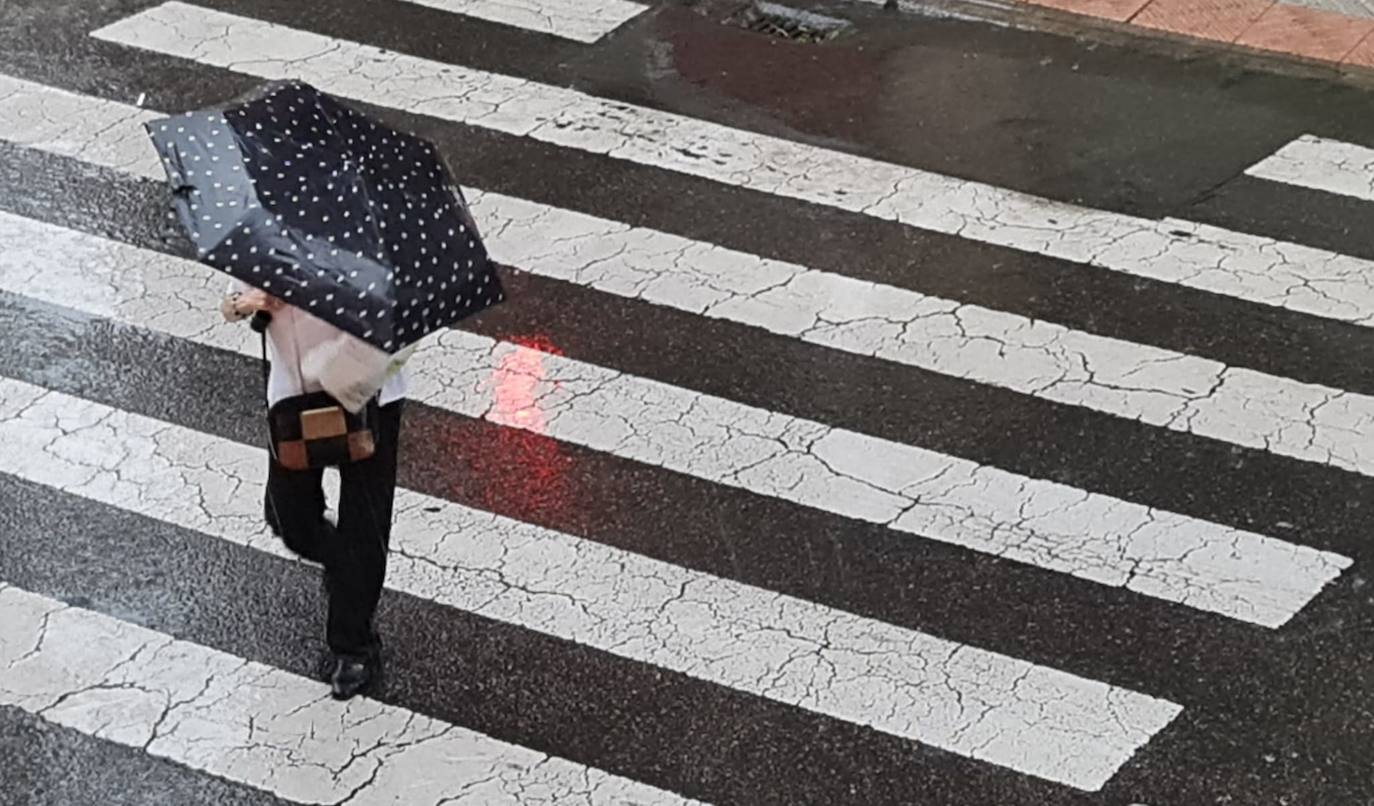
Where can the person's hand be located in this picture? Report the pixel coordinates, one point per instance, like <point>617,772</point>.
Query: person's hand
<point>255,300</point>
<point>237,307</point>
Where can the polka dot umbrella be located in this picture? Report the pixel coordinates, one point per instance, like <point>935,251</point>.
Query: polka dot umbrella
<point>328,210</point>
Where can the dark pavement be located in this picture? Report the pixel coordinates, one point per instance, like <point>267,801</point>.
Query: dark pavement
<point>690,437</point>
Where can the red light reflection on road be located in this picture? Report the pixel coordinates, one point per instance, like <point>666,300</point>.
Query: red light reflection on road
<point>517,381</point>
<point>526,475</point>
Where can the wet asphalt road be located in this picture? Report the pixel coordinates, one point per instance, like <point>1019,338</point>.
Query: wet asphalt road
<point>1269,715</point>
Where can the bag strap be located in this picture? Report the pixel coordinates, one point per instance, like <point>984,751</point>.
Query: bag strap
<point>261,327</point>
<point>259,323</point>
<point>266,370</point>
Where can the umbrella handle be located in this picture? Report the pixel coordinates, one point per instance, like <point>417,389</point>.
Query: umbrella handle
<point>260,321</point>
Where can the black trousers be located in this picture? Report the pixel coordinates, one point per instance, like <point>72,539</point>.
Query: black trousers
<point>354,552</point>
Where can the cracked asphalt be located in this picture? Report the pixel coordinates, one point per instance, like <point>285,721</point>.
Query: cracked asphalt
<point>952,412</point>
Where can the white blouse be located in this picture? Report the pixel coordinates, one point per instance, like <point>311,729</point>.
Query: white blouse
<point>294,333</point>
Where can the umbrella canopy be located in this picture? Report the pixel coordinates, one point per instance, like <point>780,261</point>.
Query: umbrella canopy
<point>328,210</point>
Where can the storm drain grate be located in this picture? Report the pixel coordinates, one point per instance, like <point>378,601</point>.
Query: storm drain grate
<point>788,23</point>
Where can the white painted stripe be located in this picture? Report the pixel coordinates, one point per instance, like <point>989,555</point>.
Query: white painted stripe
<point>969,701</point>
<point>1204,565</point>
<point>263,727</point>
<point>578,20</point>
<point>101,132</point>
<point>1182,392</point>
<point>1161,387</point>
<point>1247,267</point>
<point>1313,162</point>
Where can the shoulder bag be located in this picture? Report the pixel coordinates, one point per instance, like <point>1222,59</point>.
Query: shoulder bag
<point>314,430</point>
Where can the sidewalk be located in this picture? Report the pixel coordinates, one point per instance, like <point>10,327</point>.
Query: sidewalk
<point>1339,32</point>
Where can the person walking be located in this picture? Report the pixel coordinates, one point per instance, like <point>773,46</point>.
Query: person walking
<point>353,552</point>
<point>356,240</point>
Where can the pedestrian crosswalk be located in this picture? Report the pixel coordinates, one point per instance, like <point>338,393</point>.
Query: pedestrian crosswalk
<point>1252,268</point>
<point>1013,722</point>
<point>901,682</point>
<point>1312,162</point>
<point>914,491</point>
<point>264,727</point>
<point>567,19</point>
<point>1183,392</point>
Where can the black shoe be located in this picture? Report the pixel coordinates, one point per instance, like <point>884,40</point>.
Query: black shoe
<point>352,674</point>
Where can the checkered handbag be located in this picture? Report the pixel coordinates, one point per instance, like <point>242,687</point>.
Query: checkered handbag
<point>313,430</point>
